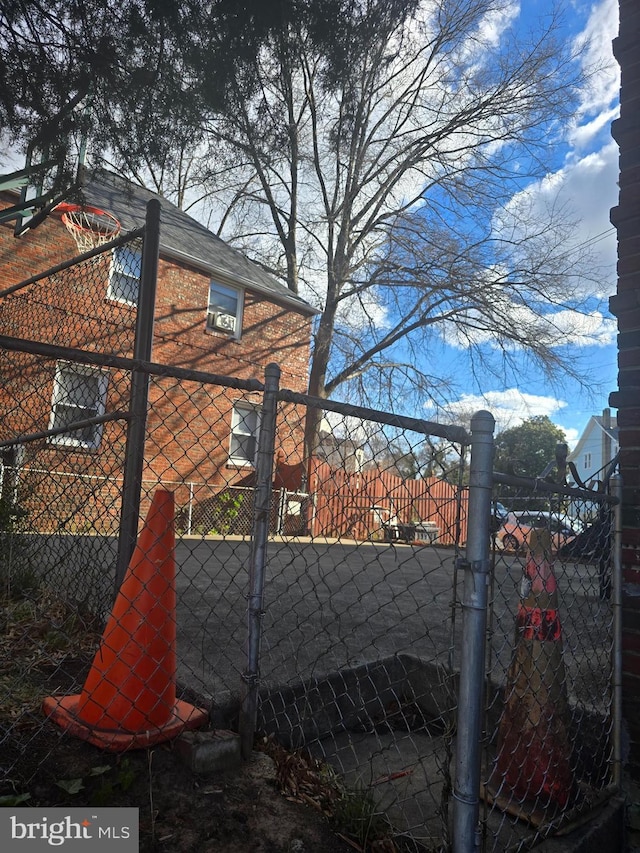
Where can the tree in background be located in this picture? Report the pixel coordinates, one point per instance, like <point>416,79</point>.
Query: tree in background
<point>117,75</point>
<point>374,174</point>
<point>527,451</point>
<point>366,153</point>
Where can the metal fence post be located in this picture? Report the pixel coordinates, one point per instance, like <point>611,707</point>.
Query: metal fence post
<point>466,790</point>
<point>137,426</point>
<point>260,534</point>
<point>190,509</point>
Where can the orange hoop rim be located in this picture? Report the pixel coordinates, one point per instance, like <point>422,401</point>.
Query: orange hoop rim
<point>106,226</point>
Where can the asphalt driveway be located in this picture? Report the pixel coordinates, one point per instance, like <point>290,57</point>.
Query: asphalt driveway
<point>326,606</point>
<point>331,605</point>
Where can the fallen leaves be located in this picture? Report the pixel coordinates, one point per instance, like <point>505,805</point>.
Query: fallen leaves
<point>301,778</point>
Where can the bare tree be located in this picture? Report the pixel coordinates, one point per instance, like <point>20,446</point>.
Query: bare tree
<point>381,188</point>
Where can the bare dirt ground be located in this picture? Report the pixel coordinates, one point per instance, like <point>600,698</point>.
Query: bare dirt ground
<point>278,802</point>
<point>249,810</point>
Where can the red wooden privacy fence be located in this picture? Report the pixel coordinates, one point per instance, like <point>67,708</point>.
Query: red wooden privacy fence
<point>360,505</point>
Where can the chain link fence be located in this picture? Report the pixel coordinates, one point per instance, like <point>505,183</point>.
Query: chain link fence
<point>339,575</point>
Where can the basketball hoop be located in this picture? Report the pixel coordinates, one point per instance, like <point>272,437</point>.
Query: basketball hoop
<point>89,226</point>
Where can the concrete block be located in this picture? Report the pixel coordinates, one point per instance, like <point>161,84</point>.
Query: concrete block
<point>208,753</point>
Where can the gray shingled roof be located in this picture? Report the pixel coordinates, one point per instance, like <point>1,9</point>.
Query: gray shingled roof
<point>613,428</point>
<point>183,238</point>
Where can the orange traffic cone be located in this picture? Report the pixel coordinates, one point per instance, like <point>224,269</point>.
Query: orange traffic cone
<point>129,698</point>
<point>532,773</point>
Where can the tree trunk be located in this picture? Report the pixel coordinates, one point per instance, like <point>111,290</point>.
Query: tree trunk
<point>317,380</point>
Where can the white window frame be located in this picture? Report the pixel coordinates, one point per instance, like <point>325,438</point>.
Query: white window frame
<point>240,428</point>
<point>126,265</point>
<point>587,461</point>
<point>85,408</point>
<point>220,297</point>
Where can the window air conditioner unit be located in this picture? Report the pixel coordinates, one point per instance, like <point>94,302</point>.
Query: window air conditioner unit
<point>225,322</point>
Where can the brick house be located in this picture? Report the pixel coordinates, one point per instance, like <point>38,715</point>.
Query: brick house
<point>216,312</point>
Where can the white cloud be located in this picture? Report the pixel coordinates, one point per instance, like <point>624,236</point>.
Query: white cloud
<point>603,87</point>
<point>510,407</point>
<point>358,314</point>
<point>586,184</point>
<point>489,32</point>
<point>582,135</point>
<point>586,189</point>
<point>497,21</point>
<point>572,435</point>
<point>555,329</point>
<point>585,330</point>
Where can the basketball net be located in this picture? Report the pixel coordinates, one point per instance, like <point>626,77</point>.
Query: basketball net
<point>89,226</point>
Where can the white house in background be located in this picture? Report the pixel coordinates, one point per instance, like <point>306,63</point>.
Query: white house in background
<point>596,447</point>
<point>339,451</point>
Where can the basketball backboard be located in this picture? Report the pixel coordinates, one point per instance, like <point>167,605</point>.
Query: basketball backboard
<point>43,183</point>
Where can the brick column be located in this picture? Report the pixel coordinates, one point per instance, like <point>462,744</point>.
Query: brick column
<point>625,305</point>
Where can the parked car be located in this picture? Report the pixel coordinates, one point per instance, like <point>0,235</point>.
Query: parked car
<point>515,530</point>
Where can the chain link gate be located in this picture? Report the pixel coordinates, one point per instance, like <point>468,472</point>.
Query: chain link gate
<point>365,668</point>
<point>358,616</point>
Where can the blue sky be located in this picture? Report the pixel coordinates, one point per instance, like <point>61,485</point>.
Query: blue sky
<point>585,177</point>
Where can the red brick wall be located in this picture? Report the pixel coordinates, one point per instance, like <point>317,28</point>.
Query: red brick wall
<point>189,423</point>
<point>626,306</point>
<point>22,257</point>
<point>270,332</point>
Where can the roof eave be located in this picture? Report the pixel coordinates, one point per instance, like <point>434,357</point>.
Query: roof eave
<point>250,284</point>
